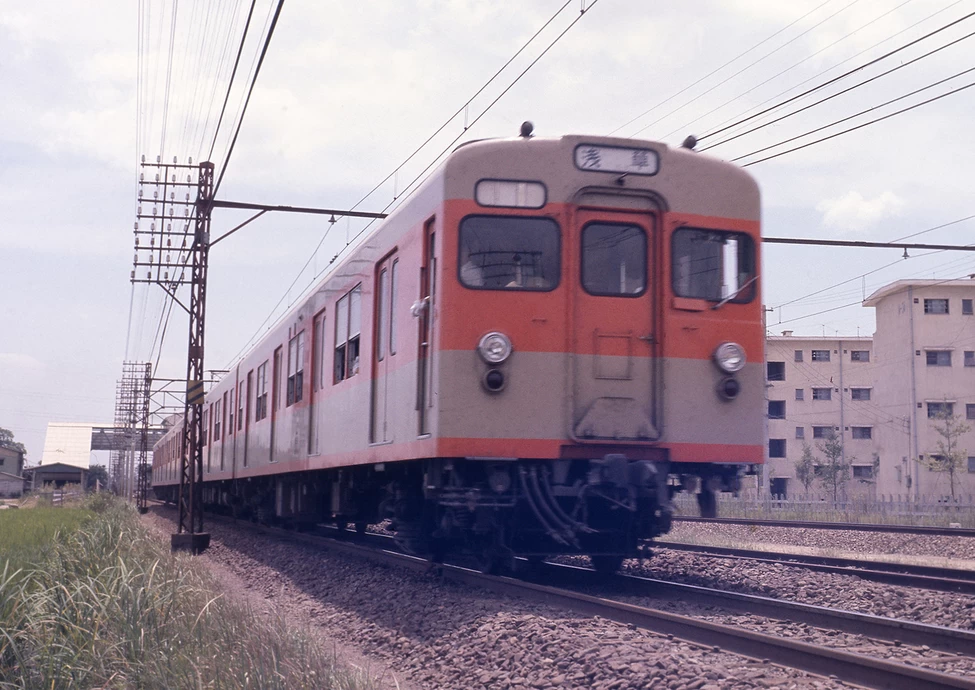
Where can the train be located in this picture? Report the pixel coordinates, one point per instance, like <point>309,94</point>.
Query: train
<point>530,356</point>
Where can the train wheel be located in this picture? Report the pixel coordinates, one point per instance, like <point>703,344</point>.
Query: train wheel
<point>707,501</point>
<point>606,565</point>
<point>360,528</point>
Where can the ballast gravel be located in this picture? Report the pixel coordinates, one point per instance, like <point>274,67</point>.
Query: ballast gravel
<point>423,632</point>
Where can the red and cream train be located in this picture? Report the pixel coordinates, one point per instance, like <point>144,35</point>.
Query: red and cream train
<point>529,357</point>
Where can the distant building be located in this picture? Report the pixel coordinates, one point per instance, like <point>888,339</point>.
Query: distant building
<point>11,472</point>
<point>879,395</point>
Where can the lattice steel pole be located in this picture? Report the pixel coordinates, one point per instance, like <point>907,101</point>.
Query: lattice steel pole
<point>190,535</point>
<point>144,468</point>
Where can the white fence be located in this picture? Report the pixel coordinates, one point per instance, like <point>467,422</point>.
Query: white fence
<point>884,509</point>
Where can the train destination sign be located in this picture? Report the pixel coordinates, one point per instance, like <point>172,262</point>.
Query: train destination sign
<point>617,159</point>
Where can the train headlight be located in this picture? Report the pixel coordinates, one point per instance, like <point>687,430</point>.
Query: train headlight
<point>730,357</point>
<point>494,348</point>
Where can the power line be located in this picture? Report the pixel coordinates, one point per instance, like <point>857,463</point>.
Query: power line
<point>846,131</point>
<point>847,90</point>
<point>233,74</point>
<point>838,78</point>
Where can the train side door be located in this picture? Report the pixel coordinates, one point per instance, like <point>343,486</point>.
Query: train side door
<point>613,371</point>
<point>383,349</point>
<point>424,310</point>
<point>317,381</point>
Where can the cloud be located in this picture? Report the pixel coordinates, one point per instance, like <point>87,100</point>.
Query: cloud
<point>852,213</point>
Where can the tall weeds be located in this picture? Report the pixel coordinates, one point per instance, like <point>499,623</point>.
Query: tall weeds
<point>111,608</point>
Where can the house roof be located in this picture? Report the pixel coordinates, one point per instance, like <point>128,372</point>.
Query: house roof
<point>901,285</point>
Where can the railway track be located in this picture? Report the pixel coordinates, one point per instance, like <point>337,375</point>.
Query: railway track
<point>903,574</point>
<point>853,526</point>
<point>828,662</point>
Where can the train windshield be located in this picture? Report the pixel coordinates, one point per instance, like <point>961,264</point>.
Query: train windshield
<point>614,259</point>
<point>713,265</point>
<point>509,253</point>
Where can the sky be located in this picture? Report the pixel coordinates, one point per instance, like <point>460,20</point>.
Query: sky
<point>348,91</point>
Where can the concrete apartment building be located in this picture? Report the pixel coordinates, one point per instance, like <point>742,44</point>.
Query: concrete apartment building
<point>880,395</point>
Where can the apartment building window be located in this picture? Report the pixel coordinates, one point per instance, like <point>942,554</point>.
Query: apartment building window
<point>938,358</point>
<point>776,447</point>
<point>296,375</point>
<point>776,409</point>
<point>800,393</point>
<point>940,408</point>
<point>969,358</point>
<point>966,307</point>
<point>822,431</point>
<point>822,393</point>
<point>800,432</point>
<point>798,355</point>
<point>863,471</point>
<point>859,355</point>
<point>969,411</point>
<point>971,464</point>
<point>820,356</point>
<point>776,371</point>
<point>861,433</point>
<point>859,393</point>
<point>936,306</point>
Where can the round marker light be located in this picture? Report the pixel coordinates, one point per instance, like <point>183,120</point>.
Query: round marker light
<point>494,348</point>
<point>730,357</point>
<point>494,380</point>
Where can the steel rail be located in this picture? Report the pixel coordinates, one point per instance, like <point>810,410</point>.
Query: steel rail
<point>938,637</point>
<point>847,565</point>
<point>852,526</point>
<point>854,668</point>
<point>938,584</point>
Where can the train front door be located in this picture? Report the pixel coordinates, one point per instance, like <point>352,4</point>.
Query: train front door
<point>385,347</point>
<point>614,319</point>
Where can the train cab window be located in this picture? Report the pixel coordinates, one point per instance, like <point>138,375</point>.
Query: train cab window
<point>348,317</point>
<point>296,377</point>
<point>713,265</point>
<point>260,398</point>
<point>509,253</point>
<point>614,259</point>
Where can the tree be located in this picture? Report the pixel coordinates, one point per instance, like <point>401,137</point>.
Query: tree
<point>7,439</point>
<point>835,471</point>
<point>949,458</point>
<point>97,473</point>
<point>806,467</point>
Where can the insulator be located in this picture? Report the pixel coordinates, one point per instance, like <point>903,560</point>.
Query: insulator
<point>152,227</point>
<point>133,274</point>
<point>188,178</point>
<point>152,241</point>
<point>159,159</point>
<point>157,177</point>
<point>135,225</point>
<point>186,212</point>
<point>153,210</point>
<point>135,259</point>
<point>169,227</point>
<point>168,259</point>
<point>139,210</point>
<point>174,160</point>
<point>169,242</point>
<point>155,194</point>
<point>187,196</point>
<point>191,160</point>
<point>166,275</point>
<point>136,240</point>
<point>149,274</point>
<point>174,178</point>
<point>143,158</point>
<point>172,195</point>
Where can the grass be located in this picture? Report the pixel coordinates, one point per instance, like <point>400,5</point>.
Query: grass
<point>27,536</point>
<point>109,607</point>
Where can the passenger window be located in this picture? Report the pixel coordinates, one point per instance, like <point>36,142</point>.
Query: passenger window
<point>348,313</point>
<point>614,259</point>
<point>296,378</point>
<point>509,253</point>
<point>713,265</point>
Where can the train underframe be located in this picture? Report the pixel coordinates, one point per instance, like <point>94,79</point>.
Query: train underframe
<point>608,508</point>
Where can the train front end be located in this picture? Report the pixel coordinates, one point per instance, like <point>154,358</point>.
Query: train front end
<point>599,344</point>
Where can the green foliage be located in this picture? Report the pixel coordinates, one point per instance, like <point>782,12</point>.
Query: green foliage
<point>834,472</point>
<point>806,467</point>
<point>97,473</point>
<point>7,439</point>
<point>110,607</point>
<point>28,535</point>
<point>950,458</point>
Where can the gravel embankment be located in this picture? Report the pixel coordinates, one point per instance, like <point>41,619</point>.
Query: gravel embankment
<point>432,634</point>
